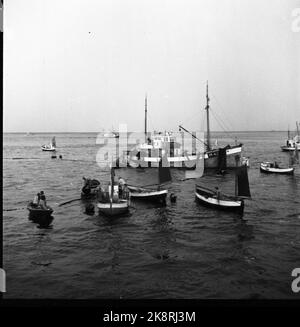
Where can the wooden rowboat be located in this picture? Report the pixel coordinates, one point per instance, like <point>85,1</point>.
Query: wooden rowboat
<point>271,168</point>
<point>41,216</point>
<point>209,198</point>
<point>140,193</point>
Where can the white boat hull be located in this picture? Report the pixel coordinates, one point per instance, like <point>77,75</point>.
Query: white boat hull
<point>209,199</point>
<point>287,171</point>
<point>48,148</point>
<point>147,195</point>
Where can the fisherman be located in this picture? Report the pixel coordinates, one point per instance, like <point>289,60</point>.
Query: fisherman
<point>43,202</point>
<point>122,185</point>
<point>218,193</point>
<point>36,200</point>
<point>87,186</point>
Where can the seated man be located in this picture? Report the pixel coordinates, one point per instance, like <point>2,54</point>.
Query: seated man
<point>36,200</point>
<point>43,202</point>
<point>218,193</point>
<point>122,184</point>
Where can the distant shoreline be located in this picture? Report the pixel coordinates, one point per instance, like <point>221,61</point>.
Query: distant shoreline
<point>33,133</point>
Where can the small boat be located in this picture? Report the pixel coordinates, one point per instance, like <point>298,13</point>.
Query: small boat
<point>209,198</point>
<point>153,195</point>
<point>220,201</point>
<point>90,189</point>
<point>41,216</point>
<point>141,193</point>
<point>270,168</point>
<point>51,146</point>
<point>113,205</point>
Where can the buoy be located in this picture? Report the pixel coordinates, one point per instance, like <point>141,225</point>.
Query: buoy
<point>60,156</point>
<point>53,157</point>
<point>173,197</point>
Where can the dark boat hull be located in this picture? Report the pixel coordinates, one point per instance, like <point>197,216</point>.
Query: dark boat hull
<point>113,209</point>
<point>40,216</point>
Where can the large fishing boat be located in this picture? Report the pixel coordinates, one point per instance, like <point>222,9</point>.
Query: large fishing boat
<point>177,157</point>
<point>292,143</point>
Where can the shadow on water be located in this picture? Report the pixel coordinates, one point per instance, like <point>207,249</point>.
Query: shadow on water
<point>42,222</point>
<point>244,230</point>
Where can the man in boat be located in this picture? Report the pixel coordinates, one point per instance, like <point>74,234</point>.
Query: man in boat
<point>218,193</point>
<point>36,200</point>
<point>122,185</point>
<point>43,202</point>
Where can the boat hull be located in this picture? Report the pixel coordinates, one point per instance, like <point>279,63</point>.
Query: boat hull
<point>143,194</point>
<point>207,199</point>
<point>40,216</point>
<point>282,171</point>
<point>289,148</point>
<point>113,209</point>
<point>48,149</point>
<point>211,160</point>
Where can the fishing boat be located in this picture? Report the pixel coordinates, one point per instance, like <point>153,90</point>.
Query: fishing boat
<point>153,195</point>
<point>38,212</point>
<point>215,199</point>
<point>216,158</point>
<point>292,143</point>
<point>113,205</point>
<point>51,146</point>
<point>273,168</point>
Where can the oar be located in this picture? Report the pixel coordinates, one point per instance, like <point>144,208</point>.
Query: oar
<point>69,201</point>
<point>14,209</point>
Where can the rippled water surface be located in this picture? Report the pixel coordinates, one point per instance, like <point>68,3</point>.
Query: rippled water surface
<point>182,250</point>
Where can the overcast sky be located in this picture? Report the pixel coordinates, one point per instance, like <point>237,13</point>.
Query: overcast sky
<point>73,65</point>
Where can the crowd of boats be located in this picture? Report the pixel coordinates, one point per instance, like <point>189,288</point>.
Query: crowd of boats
<point>164,153</point>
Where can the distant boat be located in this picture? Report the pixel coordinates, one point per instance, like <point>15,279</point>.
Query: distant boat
<point>292,144</point>
<point>153,195</point>
<point>114,206</point>
<point>51,146</point>
<point>273,168</point>
<point>220,201</point>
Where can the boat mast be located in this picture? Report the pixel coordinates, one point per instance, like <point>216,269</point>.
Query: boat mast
<point>237,158</point>
<point>207,119</point>
<point>112,181</point>
<point>146,118</point>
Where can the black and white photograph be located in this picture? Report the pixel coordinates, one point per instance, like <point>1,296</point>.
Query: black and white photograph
<point>151,150</point>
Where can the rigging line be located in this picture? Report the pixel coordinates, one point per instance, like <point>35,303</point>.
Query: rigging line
<point>221,121</point>
<point>225,125</point>
<point>219,105</point>
<point>222,126</point>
